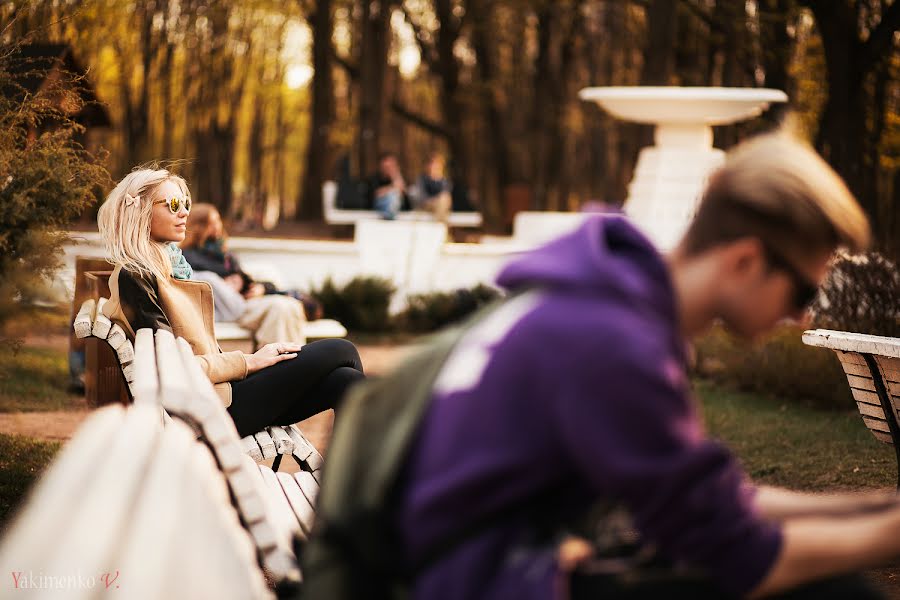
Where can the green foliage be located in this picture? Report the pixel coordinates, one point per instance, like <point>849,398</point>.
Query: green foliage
<point>35,379</point>
<point>781,364</point>
<point>46,180</point>
<point>428,312</point>
<point>22,460</point>
<point>862,295</point>
<point>361,305</point>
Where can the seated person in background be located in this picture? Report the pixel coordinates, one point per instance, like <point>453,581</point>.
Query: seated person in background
<point>387,186</point>
<point>432,190</point>
<point>141,222</point>
<point>204,248</point>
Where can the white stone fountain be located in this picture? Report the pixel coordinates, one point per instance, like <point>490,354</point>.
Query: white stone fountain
<point>669,176</point>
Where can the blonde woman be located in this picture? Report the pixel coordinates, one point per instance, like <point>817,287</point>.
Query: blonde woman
<point>141,222</point>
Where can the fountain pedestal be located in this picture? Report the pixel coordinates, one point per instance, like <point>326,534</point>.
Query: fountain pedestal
<point>670,175</point>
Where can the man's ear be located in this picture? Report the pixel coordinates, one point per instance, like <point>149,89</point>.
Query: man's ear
<point>744,257</point>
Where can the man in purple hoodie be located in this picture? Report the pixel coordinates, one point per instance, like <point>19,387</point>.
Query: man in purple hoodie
<point>574,395</point>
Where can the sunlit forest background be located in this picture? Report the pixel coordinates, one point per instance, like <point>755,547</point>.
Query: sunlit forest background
<point>260,101</point>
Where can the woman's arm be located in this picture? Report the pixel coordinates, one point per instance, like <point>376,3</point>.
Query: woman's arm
<point>140,302</point>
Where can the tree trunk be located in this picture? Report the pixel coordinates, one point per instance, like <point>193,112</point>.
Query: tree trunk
<point>374,47</point>
<point>318,148</point>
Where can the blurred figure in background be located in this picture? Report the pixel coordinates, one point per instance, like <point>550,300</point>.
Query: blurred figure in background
<point>432,191</point>
<point>387,187</point>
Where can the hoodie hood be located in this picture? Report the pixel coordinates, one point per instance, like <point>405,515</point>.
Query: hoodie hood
<point>606,255</point>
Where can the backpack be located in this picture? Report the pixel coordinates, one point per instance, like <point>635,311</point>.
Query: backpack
<point>352,551</point>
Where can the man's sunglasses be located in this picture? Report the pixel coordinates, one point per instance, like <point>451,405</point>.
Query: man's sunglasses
<point>175,203</point>
<point>805,291</point>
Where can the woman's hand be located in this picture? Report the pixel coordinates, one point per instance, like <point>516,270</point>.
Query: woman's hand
<point>270,354</point>
<point>255,290</point>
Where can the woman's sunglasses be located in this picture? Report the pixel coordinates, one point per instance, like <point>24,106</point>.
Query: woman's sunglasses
<point>175,203</point>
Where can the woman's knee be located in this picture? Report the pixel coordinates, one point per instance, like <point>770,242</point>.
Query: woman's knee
<point>342,351</point>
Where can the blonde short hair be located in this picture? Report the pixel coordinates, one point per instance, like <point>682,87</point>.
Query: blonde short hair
<point>777,189</point>
<point>124,222</point>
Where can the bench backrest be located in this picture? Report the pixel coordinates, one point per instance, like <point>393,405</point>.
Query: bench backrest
<point>105,517</point>
<point>186,393</point>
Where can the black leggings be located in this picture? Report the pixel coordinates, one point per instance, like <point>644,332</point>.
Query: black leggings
<point>293,390</point>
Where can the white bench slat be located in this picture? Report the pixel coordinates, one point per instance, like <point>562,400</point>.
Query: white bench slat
<point>50,503</point>
<point>266,444</point>
<point>125,352</point>
<point>287,523</point>
<point>304,450</point>
<point>309,485</point>
<point>247,578</point>
<point>142,566</point>
<point>251,448</point>
<point>300,504</point>
<point>116,338</point>
<point>283,442</point>
<point>102,324</point>
<point>145,388</point>
<point>853,342</point>
<point>84,320</point>
<point>270,540</point>
<point>88,543</point>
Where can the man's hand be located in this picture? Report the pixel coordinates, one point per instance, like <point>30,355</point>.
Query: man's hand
<point>270,354</point>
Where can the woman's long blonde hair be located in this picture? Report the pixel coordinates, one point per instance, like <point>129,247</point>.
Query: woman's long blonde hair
<point>124,222</point>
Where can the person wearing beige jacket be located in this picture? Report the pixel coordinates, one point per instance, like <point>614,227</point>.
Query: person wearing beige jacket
<point>141,222</point>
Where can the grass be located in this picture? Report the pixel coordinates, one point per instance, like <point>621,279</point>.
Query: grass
<point>21,461</point>
<point>787,443</point>
<point>35,379</point>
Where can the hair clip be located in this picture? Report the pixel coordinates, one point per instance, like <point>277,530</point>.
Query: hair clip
<point>132,200</point>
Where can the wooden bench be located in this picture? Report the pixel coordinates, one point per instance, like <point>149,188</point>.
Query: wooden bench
<point>872,366</point>
<point>133,508</point>
<point>271,443</point>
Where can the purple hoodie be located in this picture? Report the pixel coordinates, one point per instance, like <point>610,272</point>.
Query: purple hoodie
<point>577,387</point>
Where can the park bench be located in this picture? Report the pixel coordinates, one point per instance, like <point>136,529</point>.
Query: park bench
<point>271,443</point>
<point>159,500</point>
<point>342,216</point>
<point>872,366</point>
<point>134,508</point>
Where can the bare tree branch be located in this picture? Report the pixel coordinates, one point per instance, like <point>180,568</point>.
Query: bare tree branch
<point>418,120</point>
<point>704,16</point>
<point>351,68</point>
